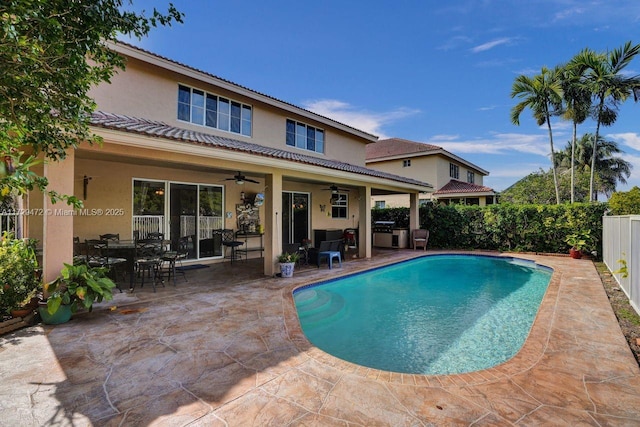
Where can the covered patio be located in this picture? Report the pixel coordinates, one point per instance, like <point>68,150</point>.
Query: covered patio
<point>226,348</point>
<point>150,177</point>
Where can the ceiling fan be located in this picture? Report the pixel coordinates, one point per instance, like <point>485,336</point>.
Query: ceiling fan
<point>335,189</point>
<point>241,179</point>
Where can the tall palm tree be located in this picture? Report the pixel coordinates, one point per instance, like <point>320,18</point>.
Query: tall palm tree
<point>577,106</point>
<point>602,76</point>
<point>610,168</point>
<point>542,94</point>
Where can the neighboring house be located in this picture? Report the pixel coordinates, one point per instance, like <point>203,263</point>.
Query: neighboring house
<point>186,153</point>
<point>456,180</point>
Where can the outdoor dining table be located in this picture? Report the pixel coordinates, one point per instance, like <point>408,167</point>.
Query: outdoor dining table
<point>125,249</point>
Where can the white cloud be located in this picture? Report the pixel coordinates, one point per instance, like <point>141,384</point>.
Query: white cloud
<point>634,178</point>
<point>454,42</point>
<point>371,122</point>
<point>569,13</point>
<point>499,143</point>
<point>491,44</point>
<point>444,137</point>
<point>629,139</point>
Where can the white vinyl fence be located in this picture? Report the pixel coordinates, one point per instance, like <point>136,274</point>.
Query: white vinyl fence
<point>621,241</point>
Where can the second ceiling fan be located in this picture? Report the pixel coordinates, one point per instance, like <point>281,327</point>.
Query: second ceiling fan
<point>239,178</point>
<point>336,190</point>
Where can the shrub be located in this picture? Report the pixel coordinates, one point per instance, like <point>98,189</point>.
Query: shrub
<point>19,273</point>
<point>505,227</point>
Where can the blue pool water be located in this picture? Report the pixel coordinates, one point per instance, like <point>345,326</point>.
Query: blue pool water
<point>439,314</point>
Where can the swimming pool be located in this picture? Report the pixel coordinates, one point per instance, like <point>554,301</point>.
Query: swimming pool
<point>437,314</point>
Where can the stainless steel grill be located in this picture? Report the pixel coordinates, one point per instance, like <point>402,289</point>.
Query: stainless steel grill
<point>385,235</point>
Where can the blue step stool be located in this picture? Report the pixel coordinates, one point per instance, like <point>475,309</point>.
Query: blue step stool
<point>330,255</point>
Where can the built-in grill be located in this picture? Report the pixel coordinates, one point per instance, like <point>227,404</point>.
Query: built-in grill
<point>386,235</point>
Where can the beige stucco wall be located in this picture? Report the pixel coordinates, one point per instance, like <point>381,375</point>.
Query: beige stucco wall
<point>147,91</point>
<point>433,169</point>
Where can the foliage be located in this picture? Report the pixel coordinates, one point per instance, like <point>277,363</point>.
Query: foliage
<point>51,54</point>
<point>623,271</point>
<point>288,257</point>
<point>610,168</point>
<point>625,202</point>
<point>542,94</point>
<point>19,274</point>
<point>602,74</point>
<point>578,241</point>
<point>79,286</point>
<point>504,227</point>
<point>537,188</point>
<point>576,108</point>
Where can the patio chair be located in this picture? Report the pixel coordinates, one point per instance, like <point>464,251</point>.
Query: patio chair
<point>229,241</point>
<point>98,255</point>
<point>330,249</point>
<point>420,238</point>
<point>79,252</point>
<point>170,259</point>
<point>148,260</point>
<point>113,237</point>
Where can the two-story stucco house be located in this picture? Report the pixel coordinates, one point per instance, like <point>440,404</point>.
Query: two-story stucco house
<point>186,153</point>
<point>455,179</point>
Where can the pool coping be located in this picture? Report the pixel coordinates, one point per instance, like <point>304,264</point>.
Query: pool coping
<point>529,354</point>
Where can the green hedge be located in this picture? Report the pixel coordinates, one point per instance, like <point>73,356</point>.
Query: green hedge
<point>504,227</point>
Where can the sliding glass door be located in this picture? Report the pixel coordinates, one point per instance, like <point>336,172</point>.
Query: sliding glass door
<point>295,217</point>
<point>194,212</point>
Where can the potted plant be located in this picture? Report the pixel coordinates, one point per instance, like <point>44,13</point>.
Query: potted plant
<point>577,243</point>
<point>19,275</point>
<point>287,262</point>
<point>78,286</point>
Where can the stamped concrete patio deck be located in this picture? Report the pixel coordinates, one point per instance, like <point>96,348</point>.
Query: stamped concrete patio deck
<point>225,348</point>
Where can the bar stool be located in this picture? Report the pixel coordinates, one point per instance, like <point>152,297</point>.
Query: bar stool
<point>228,241</point>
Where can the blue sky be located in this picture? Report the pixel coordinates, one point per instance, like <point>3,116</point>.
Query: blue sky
<point>432,71</point>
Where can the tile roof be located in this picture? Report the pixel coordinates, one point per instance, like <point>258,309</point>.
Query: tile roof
<point>455,186</point>
<point>397,147</point>
<point>394,148</point>
<point>162,130</point>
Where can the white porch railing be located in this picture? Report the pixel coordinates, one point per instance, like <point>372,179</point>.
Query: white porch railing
<point>11,222</point>
<point>208,224</point>
<point>145,224</point>
<point>621,241</point>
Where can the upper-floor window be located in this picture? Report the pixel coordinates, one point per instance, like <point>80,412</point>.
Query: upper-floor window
<point>304,136</point>
<point>454,171</point>
<point>339,206</point>
<point>406,163</point>
<point>470,177</point>
<point>202,108</point>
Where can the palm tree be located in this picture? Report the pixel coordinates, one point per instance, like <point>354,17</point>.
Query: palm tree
<point>602,76</point>
<point>577,106</point>
<point>610,169</point>
<point>541,93</point>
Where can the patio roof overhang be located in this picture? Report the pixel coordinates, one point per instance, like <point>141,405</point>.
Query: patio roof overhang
<point>185,145</point>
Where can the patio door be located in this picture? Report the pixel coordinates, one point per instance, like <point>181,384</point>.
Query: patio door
<point>295,217</point>
<point>187,215</point>
<point>183,204</point>
<point>195,212</point>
